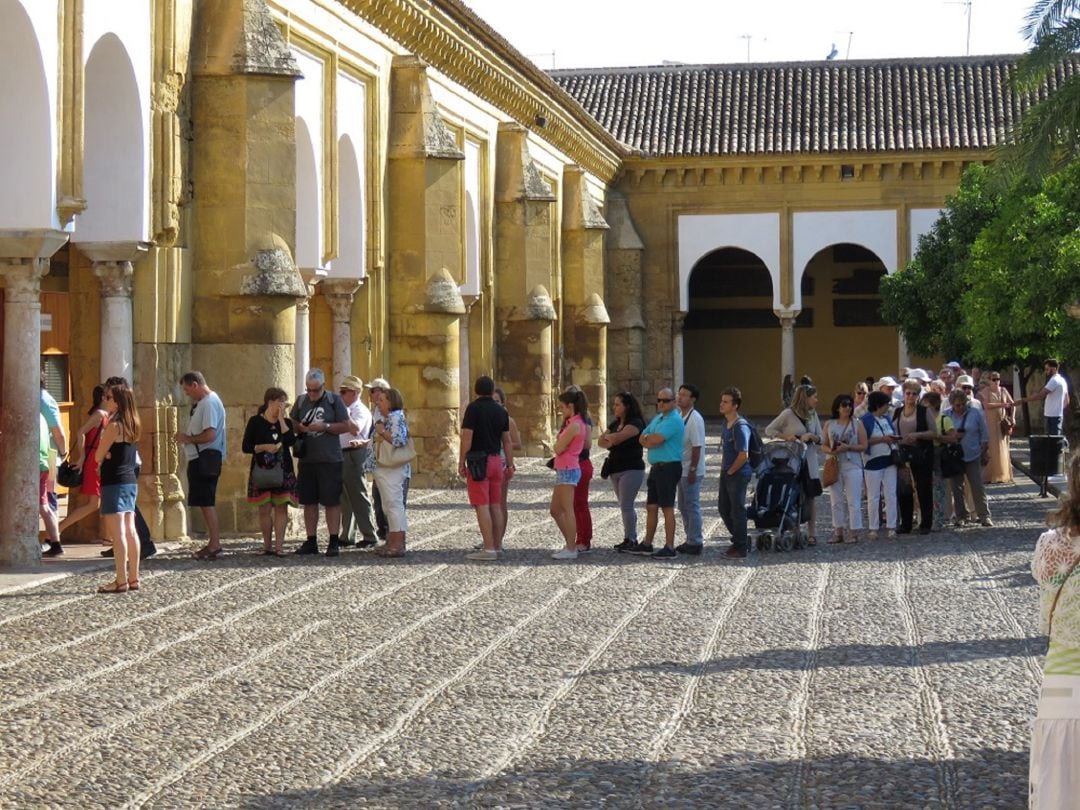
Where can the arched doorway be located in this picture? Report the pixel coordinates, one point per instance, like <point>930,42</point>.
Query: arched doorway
<point>350,259</point>
<point>731,335</point>
<point>845,339</point>
<point>26,169</point>
<point>308,207</point>
<point>115,175</point>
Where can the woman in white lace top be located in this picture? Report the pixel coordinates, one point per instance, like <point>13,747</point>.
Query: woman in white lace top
<point>1055,744</point>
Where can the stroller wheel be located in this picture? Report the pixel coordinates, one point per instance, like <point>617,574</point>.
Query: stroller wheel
<point>787,542</point>
<point>800,540</point>
<point>766,541</point>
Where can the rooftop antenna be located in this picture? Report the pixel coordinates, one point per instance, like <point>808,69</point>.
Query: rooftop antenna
<point>967,4</point>
<point>747,37</point>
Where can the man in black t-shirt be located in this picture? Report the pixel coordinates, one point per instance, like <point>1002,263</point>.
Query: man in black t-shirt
<point>485,430</point>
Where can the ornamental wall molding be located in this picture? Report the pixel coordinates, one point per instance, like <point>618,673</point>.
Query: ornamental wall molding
<point>690,173</point>
<point>459,45</point>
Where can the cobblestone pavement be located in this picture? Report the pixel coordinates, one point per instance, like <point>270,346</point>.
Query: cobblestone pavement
<point>888,674</point>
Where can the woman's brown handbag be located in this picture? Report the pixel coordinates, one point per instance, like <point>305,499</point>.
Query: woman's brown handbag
<point>830,472</point>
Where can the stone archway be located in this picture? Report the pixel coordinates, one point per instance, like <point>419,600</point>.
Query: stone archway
<point>844,339</point>
<point>26,138</point>
<point>308,207</point>
<point>350,258</point>
<point>115,181</point>
<point>731,335</point>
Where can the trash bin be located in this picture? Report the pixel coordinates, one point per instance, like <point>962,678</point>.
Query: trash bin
<point>1046,454</point>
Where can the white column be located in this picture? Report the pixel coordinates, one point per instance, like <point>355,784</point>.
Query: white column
<point>113,265</point>
<point>678,356</point>
<point>787,342</point>
<point>340,294</point>
<point>24,261</point>
<point>903,355</point>
<point>312,276</point>
<point>465,376</point>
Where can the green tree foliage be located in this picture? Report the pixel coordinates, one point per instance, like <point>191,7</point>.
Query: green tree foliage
<point>924,301</point>
<point>1048,135</point>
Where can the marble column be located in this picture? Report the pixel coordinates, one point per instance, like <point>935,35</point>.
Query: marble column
<point>340,294</point>
<point>24,261</point>
<point>113,265</point>
<point>312,276</point>
<point>787,342</point>
<point>903,354</point>
<point>678,320</point>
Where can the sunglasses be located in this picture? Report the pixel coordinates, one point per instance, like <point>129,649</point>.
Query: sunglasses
<point>844,405</point>
<point>662,401</point>
<point>995,379</point>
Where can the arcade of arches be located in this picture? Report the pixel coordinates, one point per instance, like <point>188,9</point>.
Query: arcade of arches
<point>426,205</point>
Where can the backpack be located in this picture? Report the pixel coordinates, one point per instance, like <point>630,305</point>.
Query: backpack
<point>755,447</point>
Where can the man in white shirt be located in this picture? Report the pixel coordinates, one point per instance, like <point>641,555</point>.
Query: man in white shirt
<point>205,435</point>
<point>356,507</point>
<point>693,469</point>
<point>1055,393</point>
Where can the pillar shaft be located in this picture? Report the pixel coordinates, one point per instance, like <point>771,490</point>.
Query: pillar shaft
<point>787,345</point>
<point>311,277</point>
<point>339,295</point>
<point>19,421</point>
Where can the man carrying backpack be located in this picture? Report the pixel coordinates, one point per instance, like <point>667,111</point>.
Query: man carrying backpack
<point>735,471</point>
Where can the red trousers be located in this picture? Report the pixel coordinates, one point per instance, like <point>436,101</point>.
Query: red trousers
<point>581,505</point>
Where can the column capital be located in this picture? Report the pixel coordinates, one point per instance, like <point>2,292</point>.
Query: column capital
<point>116,278</point>
<point>21,279</point>
<point>340,294</point>
<point>678,321</point>
<point>113,252</point>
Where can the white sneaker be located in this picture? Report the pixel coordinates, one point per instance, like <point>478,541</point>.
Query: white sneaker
<point>478,546</point>
<point>565,554</point>
<point>483,555</point>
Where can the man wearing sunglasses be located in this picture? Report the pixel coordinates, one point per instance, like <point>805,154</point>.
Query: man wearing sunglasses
<point>663,438</point>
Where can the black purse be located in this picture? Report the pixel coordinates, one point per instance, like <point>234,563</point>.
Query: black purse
<point>68,476</point>
<point>208,462</point>
<point>605,468</point>
<point>476,464</point>
<point>270,476</point>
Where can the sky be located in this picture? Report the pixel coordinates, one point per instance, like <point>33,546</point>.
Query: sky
<point>615,33</point>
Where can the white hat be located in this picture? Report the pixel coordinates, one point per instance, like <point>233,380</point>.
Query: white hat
<point>963,380</point>
<point>919,374</point>
<point>885,382</point>
<point>380,383</point>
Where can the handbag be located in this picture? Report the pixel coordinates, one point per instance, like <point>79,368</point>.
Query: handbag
<point>299,448</point>
<point>476,464</point>
<point>268,476</point>
<point>208,462</point>
<point>896,458</point>
<point>391,455</point>
<point>830,471</point>
<point>952,460</point>
<point>68,476</point>
<point>605,468</point>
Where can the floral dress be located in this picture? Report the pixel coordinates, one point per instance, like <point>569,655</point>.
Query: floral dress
<point>260,431</point>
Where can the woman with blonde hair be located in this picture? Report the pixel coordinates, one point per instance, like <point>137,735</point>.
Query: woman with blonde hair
<point>1053,778</point>
<point>392,428</point>
<point>116,458</point>
<point>858,396</point>
<point>800,423</point>
<point>998,407</point>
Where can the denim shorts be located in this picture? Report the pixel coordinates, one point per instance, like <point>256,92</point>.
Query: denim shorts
<point>569,478</point>
<point>118,498</point>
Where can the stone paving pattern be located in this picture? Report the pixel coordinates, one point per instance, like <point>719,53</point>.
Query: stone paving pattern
<point>879,675</point>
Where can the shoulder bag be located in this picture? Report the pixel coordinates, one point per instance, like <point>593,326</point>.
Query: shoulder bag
<point>388,454</point>
<point>67,475</point>
<point>299,448</point>
<point>952,456</point>
<point>267,471</point>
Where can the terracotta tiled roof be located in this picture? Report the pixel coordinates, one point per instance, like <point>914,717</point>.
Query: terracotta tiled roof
<point>903,105</point>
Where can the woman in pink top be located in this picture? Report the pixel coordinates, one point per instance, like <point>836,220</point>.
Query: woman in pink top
<point>568,447</point>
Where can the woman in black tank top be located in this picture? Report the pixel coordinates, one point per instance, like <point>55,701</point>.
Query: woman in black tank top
<point>117,454</point>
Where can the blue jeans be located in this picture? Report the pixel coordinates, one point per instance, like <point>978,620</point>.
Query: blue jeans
<point>689,502</point>
<point>732,505</point>
<point>1053,425</point>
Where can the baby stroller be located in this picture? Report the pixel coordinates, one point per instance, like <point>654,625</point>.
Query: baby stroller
<point>779,506</point>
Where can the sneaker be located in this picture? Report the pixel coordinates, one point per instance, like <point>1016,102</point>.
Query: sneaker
<point>367,543</point>
<point>483,555</point>
<point>107,552</point>
<point>582,549</point>
<point>333,548</point>
<point>890,534</point>
<point>987,522</point>
<point>688,548</point>
<point>664,553</point>
<point>308,547</point>
<point>626,545</point>
<point>641,549</point>
<point>146,551</point>
<point>565,554</point>
<point>478,546</point>
<point>53,550</point>
<point>347,543</point>
<point>735,553</point>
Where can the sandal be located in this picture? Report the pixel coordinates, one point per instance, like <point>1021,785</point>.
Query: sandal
<point>278,553</point>
<point>206,554</point>
<point>133,584</point>
<point>113,587</point>
<point>266,552</point>
<point>811,540</point>
<point>836,538</point>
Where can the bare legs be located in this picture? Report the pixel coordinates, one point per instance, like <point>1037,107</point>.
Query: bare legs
<point>562,510</point>
<point>88,508</point>
<point>125,548</point>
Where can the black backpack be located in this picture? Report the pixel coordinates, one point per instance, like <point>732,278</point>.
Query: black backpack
<point>755,448</point>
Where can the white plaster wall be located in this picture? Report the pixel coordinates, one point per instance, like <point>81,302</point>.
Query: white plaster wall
<point>473,199</point>
<point>309,161</point>
<point>701,234</point>
<point>115,181</point>
<point>28,138</point>
<point>130,22</point>
<point>813,231</point>
<point>352,179</point>
<point>921,223</point>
